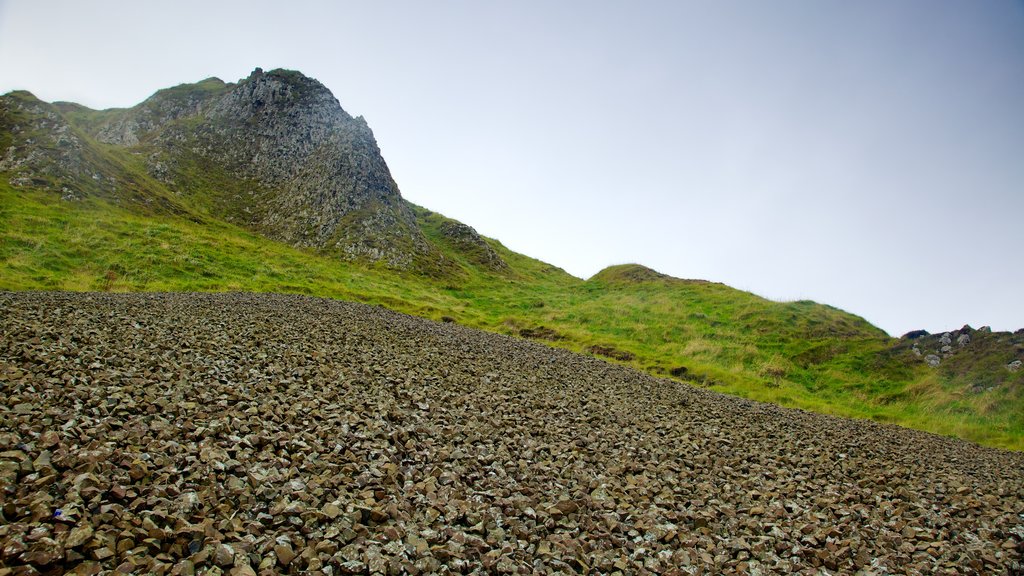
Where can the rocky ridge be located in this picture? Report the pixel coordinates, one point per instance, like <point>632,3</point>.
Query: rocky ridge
<point>244,434</point>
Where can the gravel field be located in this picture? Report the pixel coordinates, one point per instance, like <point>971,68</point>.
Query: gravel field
<point>260,434</point>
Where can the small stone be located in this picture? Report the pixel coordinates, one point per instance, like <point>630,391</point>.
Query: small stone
<point>419,545</point>
<point>184,568</point>
<point>49,439</point>
<point>243,570</point>
<point>600,494</point>
<point>44,552</point>
<point>138,470</point>
<point>223,555</point>
<point>567,507</point>
<point>352,567</point>
<point>932,360</point>
<point>284,553</point>
<point>332,510</point>
<point>188,502</point>
<point>378,515</point>
<point>79,535</point>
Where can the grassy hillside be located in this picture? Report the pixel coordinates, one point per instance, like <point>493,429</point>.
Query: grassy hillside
<point>798,354</point>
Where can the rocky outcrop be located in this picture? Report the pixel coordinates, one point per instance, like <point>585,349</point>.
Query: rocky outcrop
<point>131,127</point>
<point>466,239</point>
<point>44,151</point>
<point>940,345</point>
<point>324,182</point>
<point>275,152</point>
<point>975,361</point>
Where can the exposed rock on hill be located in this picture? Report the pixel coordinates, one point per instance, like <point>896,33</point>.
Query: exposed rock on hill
<point>40,149</point>
<point>275,152</point>
<point>977,359</point>
<point>472,244</point>
<point>256,433</point>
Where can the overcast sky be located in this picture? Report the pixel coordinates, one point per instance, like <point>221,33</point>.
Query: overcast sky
<point>868,155</point>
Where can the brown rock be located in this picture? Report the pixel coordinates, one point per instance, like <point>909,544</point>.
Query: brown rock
<point>78,536</point>
<point>284,553</point>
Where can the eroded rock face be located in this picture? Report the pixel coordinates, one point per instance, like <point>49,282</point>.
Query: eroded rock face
<point>257,433</point>
<point>288,132</point>
<point>275,152</point>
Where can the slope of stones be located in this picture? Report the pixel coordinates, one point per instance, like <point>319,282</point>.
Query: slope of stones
<point>243,434</point>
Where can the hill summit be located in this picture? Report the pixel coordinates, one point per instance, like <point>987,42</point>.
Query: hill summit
<point>628,273</point>
<point>274,152</point>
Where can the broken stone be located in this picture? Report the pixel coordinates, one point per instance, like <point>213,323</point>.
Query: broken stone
<point>241,434</point>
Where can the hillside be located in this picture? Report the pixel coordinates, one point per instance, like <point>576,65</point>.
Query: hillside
<point>245,433</point>
<point>159,197</point>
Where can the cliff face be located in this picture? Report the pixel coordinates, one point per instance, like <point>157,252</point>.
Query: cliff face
<point>275,152</point>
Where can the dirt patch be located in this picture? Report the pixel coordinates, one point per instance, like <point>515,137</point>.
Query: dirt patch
<point>611,352</point>
<point>540,333</point>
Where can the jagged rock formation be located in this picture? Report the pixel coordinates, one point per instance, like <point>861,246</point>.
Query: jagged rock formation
<point>275,152</point>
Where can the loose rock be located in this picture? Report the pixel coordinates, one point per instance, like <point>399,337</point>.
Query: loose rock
<point>243,434</point>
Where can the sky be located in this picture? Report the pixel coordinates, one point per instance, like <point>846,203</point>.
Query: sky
<point>868,155</point>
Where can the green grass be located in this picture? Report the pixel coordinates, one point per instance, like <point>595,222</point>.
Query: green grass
<point>797,354</point>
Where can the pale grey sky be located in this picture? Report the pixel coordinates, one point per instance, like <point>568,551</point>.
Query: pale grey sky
<point>868,155</point>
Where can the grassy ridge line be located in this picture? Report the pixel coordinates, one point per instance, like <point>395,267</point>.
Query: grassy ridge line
<point>797,354</point>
